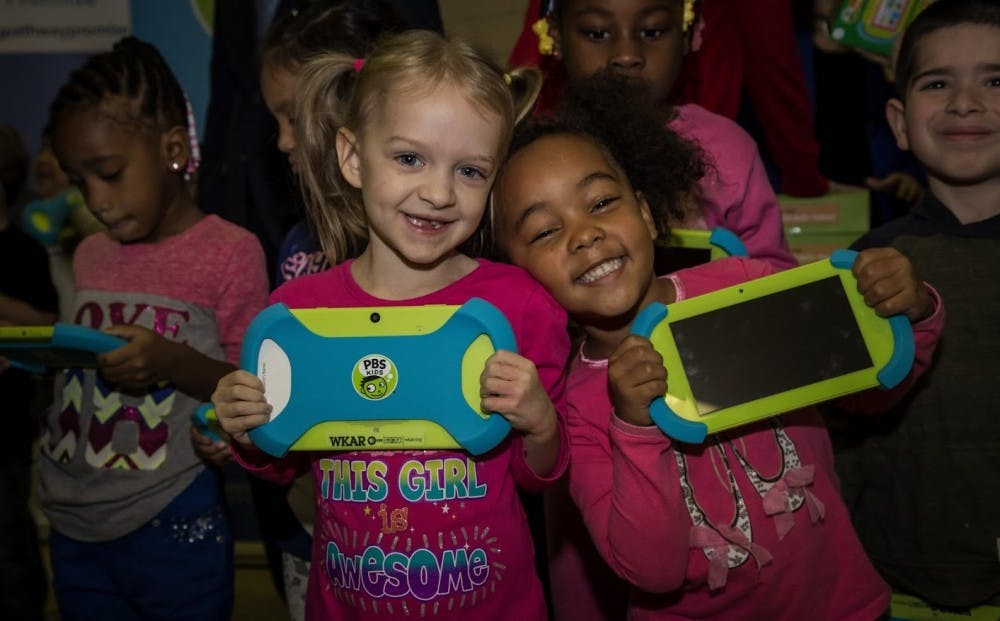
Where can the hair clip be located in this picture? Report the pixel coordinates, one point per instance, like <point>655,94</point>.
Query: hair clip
<point>358,64</point>
<point>689,14</point>
<point>507,78</point>
<point>546,44</point>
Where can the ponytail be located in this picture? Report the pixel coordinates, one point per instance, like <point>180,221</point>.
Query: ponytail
<point>333,206</point>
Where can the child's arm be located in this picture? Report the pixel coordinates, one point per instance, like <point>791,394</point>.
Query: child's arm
<point>240,406</point>
<point>19,313</point>
<point>149,359</point>
<point>888,283</point>
<point>623,475</point>
<point>511,386</point>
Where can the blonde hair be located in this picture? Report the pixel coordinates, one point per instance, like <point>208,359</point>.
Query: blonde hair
<point>332,94</point>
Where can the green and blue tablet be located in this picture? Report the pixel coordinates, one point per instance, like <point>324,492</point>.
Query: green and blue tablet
<point>389,378</point>
<point>63,345</point>
<point>771,345</point>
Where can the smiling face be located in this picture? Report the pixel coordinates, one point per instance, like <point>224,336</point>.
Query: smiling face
<point>637,38</point>
<point>123,171</point>
<point>569,216</point>
<point>951,118</point>
<point>424,161</point>
<point>277,85</point>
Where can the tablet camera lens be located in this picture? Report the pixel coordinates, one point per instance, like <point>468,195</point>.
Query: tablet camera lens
<point>375,317</point>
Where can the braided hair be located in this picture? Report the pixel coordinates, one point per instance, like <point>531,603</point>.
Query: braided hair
<point>134,70</point>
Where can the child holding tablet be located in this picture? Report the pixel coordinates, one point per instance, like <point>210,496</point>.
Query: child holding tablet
<point>748,525</point>
<point>138,521</point>
<point>420,128</point>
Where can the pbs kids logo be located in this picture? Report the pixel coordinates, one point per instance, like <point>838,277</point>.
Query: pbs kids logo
<point>374,377</point>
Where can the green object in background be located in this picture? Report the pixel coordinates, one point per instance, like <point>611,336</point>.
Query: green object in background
<point>910,608</point>
<point>873,25</point>
<point>836,212</point>
<point>204,12</point>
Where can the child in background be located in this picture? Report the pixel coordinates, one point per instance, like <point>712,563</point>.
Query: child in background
<point>348,28</point>
<point>138,525</point>
<point>419,139</point>
<point>27,297</point>
<point>647,40</point>
<point>695,529</point>
<point>933,461</point>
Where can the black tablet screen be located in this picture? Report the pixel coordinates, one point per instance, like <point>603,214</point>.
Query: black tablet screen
<point>771,344</point>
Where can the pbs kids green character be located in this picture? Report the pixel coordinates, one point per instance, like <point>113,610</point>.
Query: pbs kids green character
<point>374,386</point>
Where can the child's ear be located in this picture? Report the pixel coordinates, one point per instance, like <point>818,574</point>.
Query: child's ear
<point>647,216</point>
<point>348,157</point>
<point>176,147</point>
<point>895,114</point>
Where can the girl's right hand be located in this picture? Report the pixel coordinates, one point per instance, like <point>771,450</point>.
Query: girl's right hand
<point>636,376</point>
<point>240,405</point>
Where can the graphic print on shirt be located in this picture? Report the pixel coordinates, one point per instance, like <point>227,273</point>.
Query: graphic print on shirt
<point>782,494</point>
<point>60,442</point>
<point>128,432</point>
<point>302,263</point>
<point>380,558</point>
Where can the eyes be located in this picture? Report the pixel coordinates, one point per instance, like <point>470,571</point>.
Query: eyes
<point>549,226</point>
<point>108,176</point>
<point>598,35</point>
<point>938,84</point>
<point>412,160</point>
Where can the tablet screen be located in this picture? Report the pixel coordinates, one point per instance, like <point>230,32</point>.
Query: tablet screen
<point>770,344</point>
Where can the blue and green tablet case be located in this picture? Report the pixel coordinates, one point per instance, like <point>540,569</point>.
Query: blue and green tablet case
<point>771,345</point>
<point>387,378</point>
<point>63,345</point>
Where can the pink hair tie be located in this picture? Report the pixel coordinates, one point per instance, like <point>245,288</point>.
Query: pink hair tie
<point>195,157</point>
<point>358,64</point>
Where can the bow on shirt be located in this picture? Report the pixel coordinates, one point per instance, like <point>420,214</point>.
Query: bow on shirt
<point>719,540</point>
<point>777,501</point>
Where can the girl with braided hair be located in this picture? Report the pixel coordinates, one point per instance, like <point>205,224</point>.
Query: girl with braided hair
<point>138,524</point>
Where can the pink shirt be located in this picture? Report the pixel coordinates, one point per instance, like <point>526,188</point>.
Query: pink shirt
<point>736,193</point>
<point>429,534</point>
<point>749,525</point>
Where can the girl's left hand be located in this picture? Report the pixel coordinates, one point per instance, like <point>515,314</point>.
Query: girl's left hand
<point>216,453</point>
<point>144,361</point>
<point>510,385</point>
<point>887,281</point>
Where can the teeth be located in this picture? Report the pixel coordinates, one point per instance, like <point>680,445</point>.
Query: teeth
<point>434,224</point>
<point>601,270</point>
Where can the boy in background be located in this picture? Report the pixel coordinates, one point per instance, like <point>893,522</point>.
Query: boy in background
<point>923,483</point>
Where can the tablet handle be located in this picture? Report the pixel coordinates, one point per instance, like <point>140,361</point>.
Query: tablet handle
<point>666,419</point>
<point>903,350</point>
<point>484,318</point>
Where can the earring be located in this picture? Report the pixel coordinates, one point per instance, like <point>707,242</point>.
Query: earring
<point>175,166</point>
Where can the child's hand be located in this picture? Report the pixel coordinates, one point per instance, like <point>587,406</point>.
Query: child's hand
<point>636,376</point>
<point>900,185</point>
<point>240,405</point>
<point>216,453</point>
<point>887,282</point>
<point>147,359</point>
<point>510,385</point>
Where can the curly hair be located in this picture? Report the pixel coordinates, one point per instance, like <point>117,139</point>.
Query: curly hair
<point>619,116</point>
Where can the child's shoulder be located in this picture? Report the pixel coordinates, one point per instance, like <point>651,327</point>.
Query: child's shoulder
<point>718,274</point>
<point>713,132</point>
<point>508,286</point>
<point>223,231</point>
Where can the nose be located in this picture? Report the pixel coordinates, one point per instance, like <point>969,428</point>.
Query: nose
<point>438,189</point>
<point>627,54</point>
<point>966,99</point>
<point>584,235</point>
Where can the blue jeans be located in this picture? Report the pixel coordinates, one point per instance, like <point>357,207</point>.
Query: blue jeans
<point>178,566</point>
